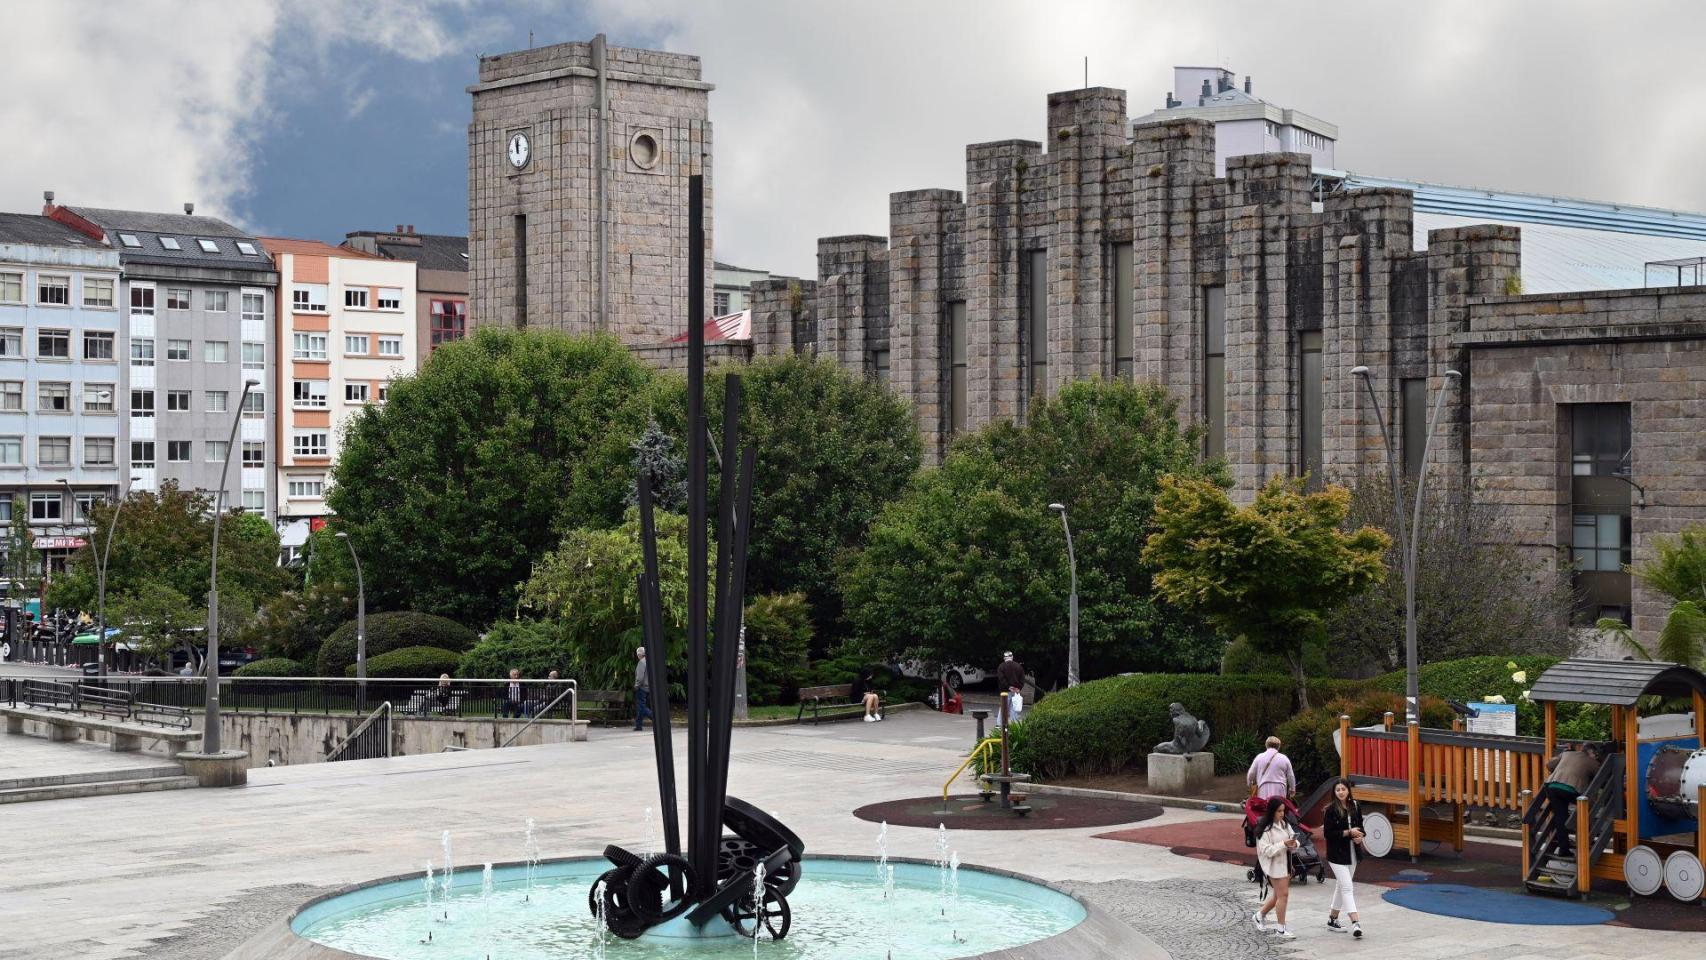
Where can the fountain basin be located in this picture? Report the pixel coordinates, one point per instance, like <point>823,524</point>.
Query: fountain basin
<point>838,912</point>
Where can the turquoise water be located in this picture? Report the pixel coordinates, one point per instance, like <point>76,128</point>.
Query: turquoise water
<point>839,912</point>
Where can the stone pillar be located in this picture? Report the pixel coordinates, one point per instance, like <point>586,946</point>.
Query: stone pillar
<point>1170,160</point>
<point>848,310</point>
<point>996,176</point>
<point>1086,130</point>
<point>918,335</point>
<point>1463,262</point>
<point>784,316</point>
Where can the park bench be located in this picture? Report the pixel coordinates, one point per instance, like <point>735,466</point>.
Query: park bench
<point>126,736</point>
<point>425,703</point>
<point>837,698</point>
<point>606,706</point>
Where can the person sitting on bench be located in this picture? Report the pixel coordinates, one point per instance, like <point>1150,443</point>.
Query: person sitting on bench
<point>865,689</point>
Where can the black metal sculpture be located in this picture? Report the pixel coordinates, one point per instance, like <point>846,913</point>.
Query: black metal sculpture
<point>716,877</point>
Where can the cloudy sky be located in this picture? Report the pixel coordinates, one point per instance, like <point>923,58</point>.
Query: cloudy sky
<point>314,117</point>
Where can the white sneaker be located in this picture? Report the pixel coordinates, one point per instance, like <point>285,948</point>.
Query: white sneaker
<point>1284,934</point>
<point>870,719</point>
<point>1356,930</point>
<point>879,718</point>
<point>1261,925</point>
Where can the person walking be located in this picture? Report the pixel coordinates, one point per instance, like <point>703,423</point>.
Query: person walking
<point>1010,678</point>
<point>642,691</point>
<point>1342,826</point>
<point>1270,776</point>
<point>1571,771</point>
<point>1274,843</point>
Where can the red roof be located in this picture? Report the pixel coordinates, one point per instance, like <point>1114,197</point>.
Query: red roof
<point>311,248</point>
<point>730,326</point>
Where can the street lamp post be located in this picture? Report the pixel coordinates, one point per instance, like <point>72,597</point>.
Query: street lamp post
<point>1072,600</point>
<point>210,715</point>
<point>360,627</point>
<point>1407,540</point>
<point>101,582</point>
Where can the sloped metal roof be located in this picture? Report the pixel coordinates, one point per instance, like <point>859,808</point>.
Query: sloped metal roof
<point>1558,259</point>
<point>1616,682</point>
<point>149,229</point>
<point>44,231</point>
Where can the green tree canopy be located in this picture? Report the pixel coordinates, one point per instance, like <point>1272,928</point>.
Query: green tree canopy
<point>480,462</point>
<point>971,560</point>
<point>1270,572</point>
<point>1678,570</point>
<point>156,618</point>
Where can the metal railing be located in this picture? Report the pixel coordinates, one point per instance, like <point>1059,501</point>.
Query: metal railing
<point>94,698</point>
<point>570,692</point>
<point>369,741</point>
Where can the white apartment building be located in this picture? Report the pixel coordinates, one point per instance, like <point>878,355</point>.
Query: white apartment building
<point>1243,123</point>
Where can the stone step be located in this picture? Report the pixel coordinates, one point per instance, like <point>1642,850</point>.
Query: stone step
<point>93,776</point>
<point>97,788</point>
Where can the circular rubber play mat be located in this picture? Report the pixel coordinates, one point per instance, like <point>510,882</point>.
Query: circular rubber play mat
<point>970,812</point>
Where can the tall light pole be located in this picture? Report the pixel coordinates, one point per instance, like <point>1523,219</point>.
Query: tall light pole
<point>1407,541</point>
<point>101,580</point>
<point>360,627</point>
<point>1072,600</point>
<point>210,715</point>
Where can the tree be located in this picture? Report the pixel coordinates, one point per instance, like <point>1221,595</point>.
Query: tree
<point>295,623</point>
<point>970,560</point>
<point>778,633</point>
<point>1271,572</point>
<point>1477,591</point>
<point>655,457</point>
<point>481,461</point>
<point>833,448</point>
<point>20,558</point>
<point>156,618</point>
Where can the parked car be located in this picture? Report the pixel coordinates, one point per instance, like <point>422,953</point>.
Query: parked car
<point>230,658</point>
<point>956,676</point>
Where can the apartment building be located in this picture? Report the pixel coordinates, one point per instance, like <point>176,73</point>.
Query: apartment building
<point>441,279</point>
<point>61,434</point>
<point>348,321</point>
<point>197,294</point>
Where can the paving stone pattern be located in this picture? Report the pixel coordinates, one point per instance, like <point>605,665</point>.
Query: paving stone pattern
<point>1190,919</point>
<point>231,923</point>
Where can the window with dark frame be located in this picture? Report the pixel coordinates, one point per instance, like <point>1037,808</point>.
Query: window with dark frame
<point>1601,534</point>
<point>1413,402</point>
<point>1036,318</point>
<point>959,406</point>
<point>1214,370</point>
<point>1125,310</point>
<point>1310,387</point>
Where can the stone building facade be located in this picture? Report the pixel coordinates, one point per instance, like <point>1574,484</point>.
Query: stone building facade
<point>579,156</point>
<point>1116,251</point>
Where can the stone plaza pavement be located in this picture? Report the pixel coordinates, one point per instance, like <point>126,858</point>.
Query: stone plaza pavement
<point>190,874</point>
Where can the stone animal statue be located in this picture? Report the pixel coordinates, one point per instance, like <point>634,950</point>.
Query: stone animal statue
<point>1190,735</point>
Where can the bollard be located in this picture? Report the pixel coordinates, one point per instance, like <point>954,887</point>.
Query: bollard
<point>980,716</point>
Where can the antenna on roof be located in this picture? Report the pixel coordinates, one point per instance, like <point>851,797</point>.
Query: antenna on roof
<point>1086,73</point>
<point>530,39</point>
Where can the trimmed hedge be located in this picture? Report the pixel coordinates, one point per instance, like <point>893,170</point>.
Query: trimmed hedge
<point>410,662</point>
<point>1107,725</point>
<point>391,631</point>
<point>272,667</point>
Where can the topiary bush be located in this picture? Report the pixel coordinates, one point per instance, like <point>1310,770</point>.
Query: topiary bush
<point>428,662</point>
<point>391,631</point>
<point>527,645</point>
<point>272,667</point>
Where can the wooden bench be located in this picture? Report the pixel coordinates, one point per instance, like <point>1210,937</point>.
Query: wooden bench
<point>425,703</point>
<point>607,706</point>
<point>125,736</point>
<point>836,697</point>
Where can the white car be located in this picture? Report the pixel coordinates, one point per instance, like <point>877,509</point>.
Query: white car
<point>957,676</point>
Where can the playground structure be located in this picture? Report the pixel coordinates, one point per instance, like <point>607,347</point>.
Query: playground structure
<point>1416,784</point>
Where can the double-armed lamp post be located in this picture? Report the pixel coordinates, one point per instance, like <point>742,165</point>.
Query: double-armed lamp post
<point>360,627</point>
<point>210,715</point>
<point>1072,600</point>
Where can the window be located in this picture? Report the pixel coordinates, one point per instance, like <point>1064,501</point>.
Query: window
<point>98,345</point>
<point>1600,439</point>
<point>98,292</point>
<point>129,240</point>
<point>142,300</point>
<point>170,243</point>
<point>308,393</point>
<point>355,393</point>
<point>1310,388</point>
<point>1125,311</point>
<point>254,355</point>
<point>177,401</point>
<point>1214,370</point>
<point>177,451</point>
<point>83,504</point>
<point>355,344</point>
<point>390,298</point>
<point>53,291</point>
<point>355,298</point>
<point>308,444</point>
<point>141,404</point>
<point>207,246</point>
<point>216,301</point>
<point>98,397</point>
<point>1036,308</point>
<point>306,489</point>
<point>141,351</point>
<point>254,306</point>
<point>216,401</point>
<point>53,397</point>
<point>254,453</point>
<point>880,366</point>
<point>1600,505</point>
<point>97,451</point>
<point>177,298</point>
<point>720,303</point>
<point>11,453</point>
<point>254,501</point>
<point>254,406</point>
<point>217,450</point>
<point>449,320</point>
<point>1413,401</point>
<point>1600,542</point>
<point>957,398</point>
<point>1272,128</point>
<point>142,454</point>
<point>246,248</point>
<point>308,346</point>
<point>46,507</point>
<point>384,392</point>
<point>11,341</point>
<point>390,346</point>
<point>54,451</point>
<point>216,351</point>
<point>520,248</point>
<point>53,345</point>
<point>11,395</point>
<point>11,288</point>
<point>5,510</point>
<point>177,349</point>
<point>308,298</point>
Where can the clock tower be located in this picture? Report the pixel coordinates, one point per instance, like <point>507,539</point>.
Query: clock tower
<point>578,159</point>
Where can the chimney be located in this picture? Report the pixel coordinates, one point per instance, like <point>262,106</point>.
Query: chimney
<point>1207,91</point>
<point>1246,83</point>
<point>189,209</point>
<point>399,228</point>
<point>47,195</point>
<point>411,229</point>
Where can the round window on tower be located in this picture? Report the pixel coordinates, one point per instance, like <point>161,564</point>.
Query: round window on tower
<point>644,150</point>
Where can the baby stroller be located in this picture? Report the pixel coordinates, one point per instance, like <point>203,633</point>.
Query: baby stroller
<point>1303,859</point>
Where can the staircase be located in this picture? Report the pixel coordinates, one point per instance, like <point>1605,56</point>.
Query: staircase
<point>1555,875</point>
<point>95,783</point>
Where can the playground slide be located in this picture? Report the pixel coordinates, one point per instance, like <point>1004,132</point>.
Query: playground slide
<point>1313,809</point>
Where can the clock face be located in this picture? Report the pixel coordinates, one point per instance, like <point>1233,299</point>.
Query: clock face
<point>519,150</point>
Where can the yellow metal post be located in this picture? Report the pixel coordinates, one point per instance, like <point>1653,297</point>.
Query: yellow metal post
<point>1415,800</point>
<point>1344,745</point>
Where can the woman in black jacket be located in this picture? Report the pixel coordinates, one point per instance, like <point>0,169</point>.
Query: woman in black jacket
<point>1342,827</point>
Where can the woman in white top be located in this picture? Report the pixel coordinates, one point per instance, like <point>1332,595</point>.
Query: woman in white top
<point>1274,843</point>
